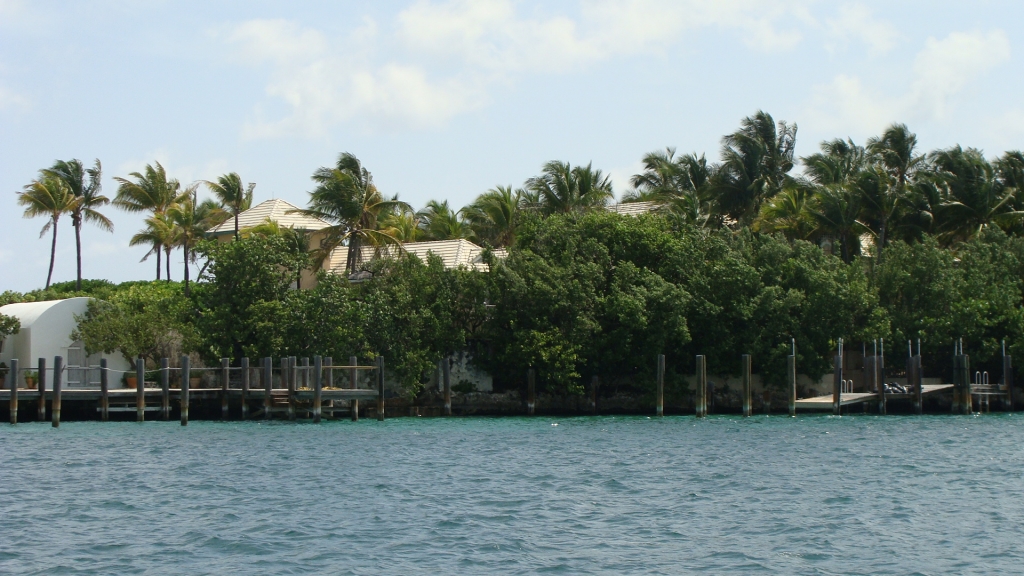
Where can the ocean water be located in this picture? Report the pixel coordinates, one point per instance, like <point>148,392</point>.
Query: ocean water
<point>604,495</point>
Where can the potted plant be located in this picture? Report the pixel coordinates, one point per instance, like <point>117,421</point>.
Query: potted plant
<point>129,380</point>
<point>30,379</point>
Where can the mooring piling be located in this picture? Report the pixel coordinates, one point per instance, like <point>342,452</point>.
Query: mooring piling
<point>837,384</point>
<point>659,409</point>
<point>1008,376</point>
<point>745,375</point>
<point>702,387</point>
<point>13,385</point>
<point>318,372</point>
<point>380,388</point>
<point>140,389</point>
<point>185,377</point>
<point>531,391</point>
<point>245,387</point>
<point>165,389</point>
<point>104,390</point>
<point>446,375</point>
<point>58,384</point>
<point>791,380</point>
<point>293,373</point>
<point>268,386</point>
<point>225,379</point>
<point>353,383</point>
<point>41,388</point>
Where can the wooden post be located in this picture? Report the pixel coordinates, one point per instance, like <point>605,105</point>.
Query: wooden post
<point>245,387</point>
<point>165,389</point>
<point>140,389</point>
<point>595,382</point>
<point>882,400</point>
<point>268,386</point>
<point>745,375</point>
<point>305,380</point>
<point>293,373</point>
<point>791,380</point>
<point>318,372</point>
<point>531,391</point>
<point>968,400</point>
<point>446,375</point>
<point>837,385</point>
<point>702,387</point>
<point>380,388</point>
<point>659,408</point>
<point>353,381</point>
<point>1008,378</point>
<point>186,373</point>
<point>918,385</point>
<point>225,378</point>
<point>104,391</point>
<point>58,384</point>
<point>329,380</point>
<point>13,385</point>
<point>41,387</point>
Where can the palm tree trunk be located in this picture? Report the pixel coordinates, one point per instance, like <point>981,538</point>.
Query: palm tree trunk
<point>167,250</point>
<point>185,249</point>
<point>156,248</point>
<point>881,237</point>
<point>53,254</point>
<point>236,223</point>
<point>78,249</point>
<point>354,254</point>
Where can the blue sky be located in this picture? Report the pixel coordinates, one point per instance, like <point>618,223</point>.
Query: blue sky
<point>445,99</point>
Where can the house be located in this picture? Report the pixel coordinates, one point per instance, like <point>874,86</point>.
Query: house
<point>453,253</point>
<point>634,208</point>
<point>46,329</point>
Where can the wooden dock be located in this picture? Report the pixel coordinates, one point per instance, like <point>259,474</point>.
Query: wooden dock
<point>851,398</point>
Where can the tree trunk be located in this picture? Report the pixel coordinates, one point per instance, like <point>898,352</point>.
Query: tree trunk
<point>167,259</point>
<point>354,254</point>
<point>236,224</point>
<point>157,248</point>
<point>881,238</point>
<point>53,254</point>
<point>185,248</point>
<point>78,249</point>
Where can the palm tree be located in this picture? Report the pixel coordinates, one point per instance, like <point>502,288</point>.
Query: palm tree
<point>346,196</point>
<point>835,213</point>
<point>838,162</point>
<point>48,196</point>
<point>74,175</point>
<point>439,222</point>
<point>150,191</point>
<point>562,188</point>
<point>233,197</point>
<point>887,190</point>
<point>494,215</point>
<point>791,212</point>
<point>972,195</point>
<point>756,161</point>
<point>159,233</point>
<point>192,220</point>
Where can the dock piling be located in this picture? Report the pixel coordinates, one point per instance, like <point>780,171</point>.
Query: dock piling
<point>245,387</point>
<point>595,383</point>
<point>268,385</point>
<point>58,384</point>
<point>353,382</point>
<point>140,389</point>
<point>659,409</point>
<point>318,372</point>
<point>13,385</point>
<point>446,375</point>
<point>791,380</point>
<point>165,389</point>
<point>380,388</point>
<point>186,374</point>
<point>702,387</point>
<point>41,388</point>
<point>104,390</point>
<point>1008,378</point>
<point>745,375</point>
<point>225,379</point>
<point>531,391</point>
<point>837,385</point>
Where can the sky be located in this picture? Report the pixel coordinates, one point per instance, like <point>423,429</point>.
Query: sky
<point>446,99</point>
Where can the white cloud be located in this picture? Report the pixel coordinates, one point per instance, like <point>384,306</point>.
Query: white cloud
<point>940,72</point>
<point>856,22</point>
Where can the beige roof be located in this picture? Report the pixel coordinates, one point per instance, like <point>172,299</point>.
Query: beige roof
<point>633,208</point>
<point>276,210</point>
<point>453,253</point>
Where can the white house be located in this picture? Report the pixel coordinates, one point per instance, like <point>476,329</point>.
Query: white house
<point>46,329</point>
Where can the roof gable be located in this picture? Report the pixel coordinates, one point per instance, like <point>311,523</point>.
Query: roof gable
<point>276,210</point>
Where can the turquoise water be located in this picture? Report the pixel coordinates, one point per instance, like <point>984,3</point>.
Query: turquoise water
<point>606,495</point>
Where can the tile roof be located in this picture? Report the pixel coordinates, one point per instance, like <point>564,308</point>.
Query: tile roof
<point>276,210</point>
<point>633,208</point>
<point>453,253</point>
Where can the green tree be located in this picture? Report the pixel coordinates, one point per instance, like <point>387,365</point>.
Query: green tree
<point>85,185</point>
<point>562,188</point>
<point>148,191</point>
<point>972,195</point>
<point>159,233</point>
<point>48,196</point>
<point>9,325</point>
<point>192,220</point>
<point>495,214</point>
<point>233,196</point>
<point>439,222</point>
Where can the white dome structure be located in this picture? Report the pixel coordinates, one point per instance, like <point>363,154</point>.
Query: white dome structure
<point>46,329</point>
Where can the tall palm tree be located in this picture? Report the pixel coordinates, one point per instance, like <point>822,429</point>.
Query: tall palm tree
<point>895,152</point>
<point>192,220</point>
<point>972,195</point>
<point>756,161</point>
<point>836,213</point>
<point>791,212</point>
<point>562,188</point>
<point>85,184</point>
<point>439,222</point>
<point>838,162</point>
<point>233,196</point>
<point>48,196</point>
<point>494,215</point>
<point>149,191</point>
<point>159,233</point>
<point>346,196</point>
